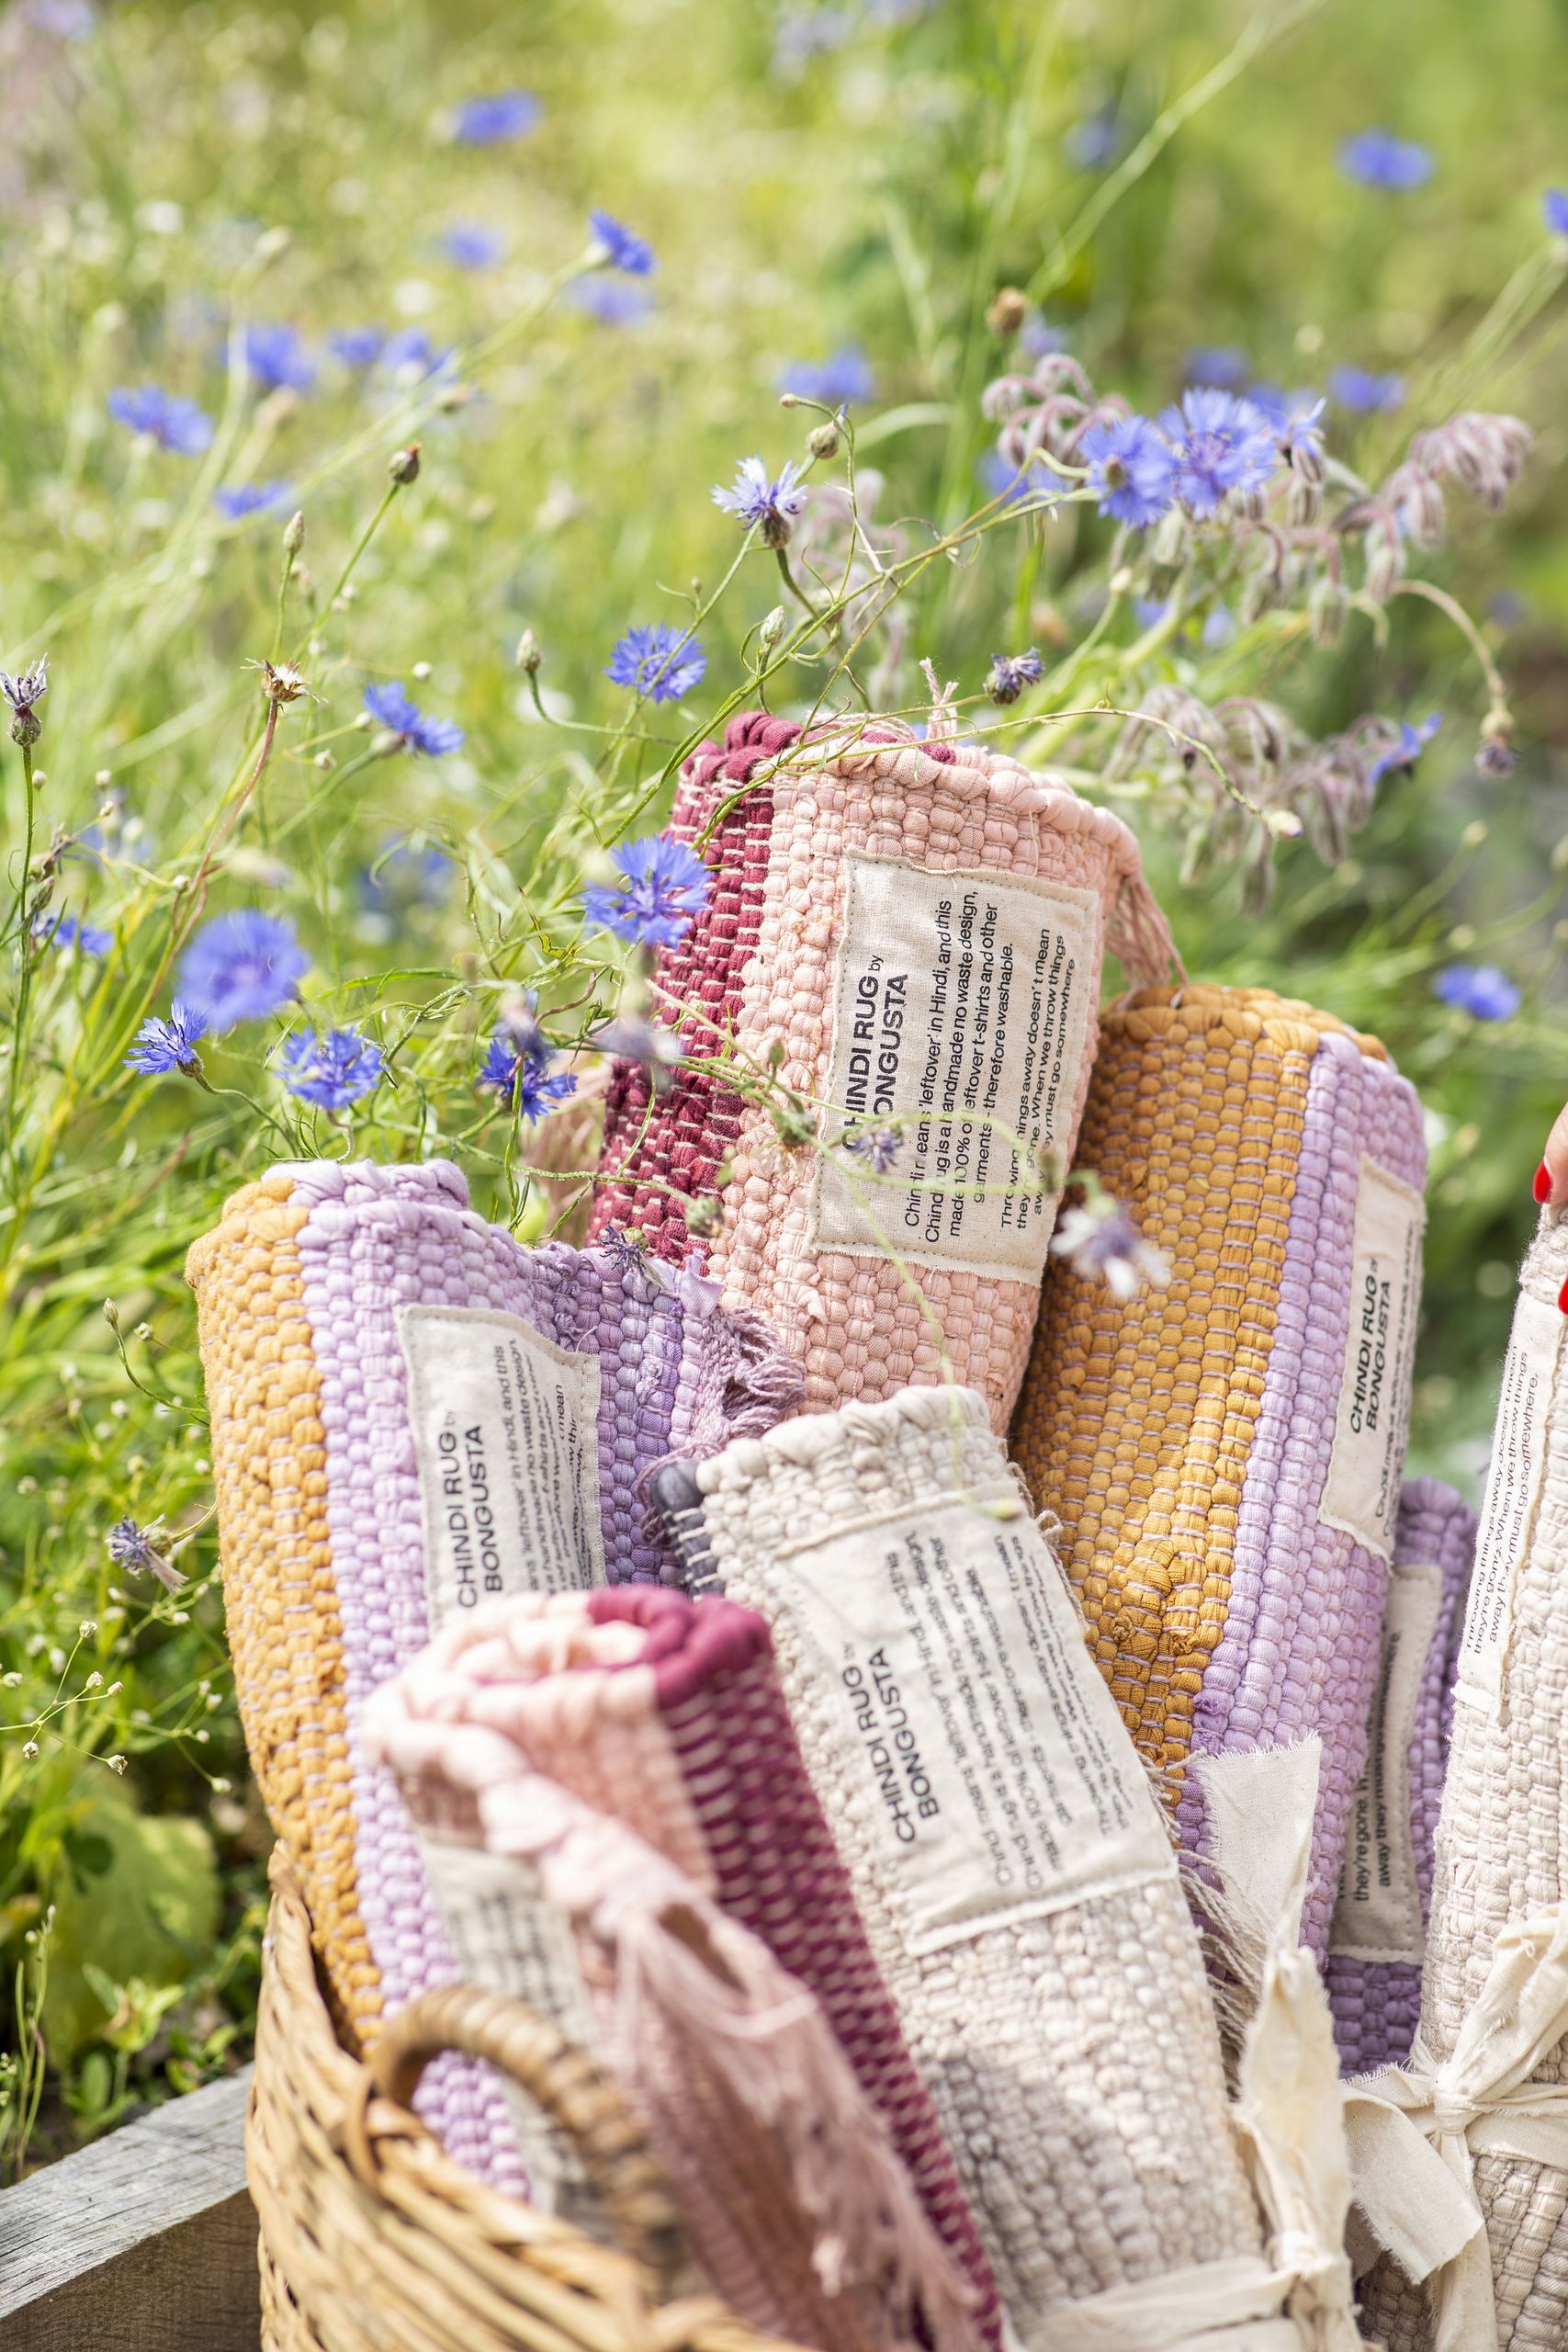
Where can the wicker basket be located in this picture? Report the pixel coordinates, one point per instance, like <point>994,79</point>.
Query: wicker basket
<point>374,2239</point>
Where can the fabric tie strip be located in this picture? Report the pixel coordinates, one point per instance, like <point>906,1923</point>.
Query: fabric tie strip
<point>1012,1867</point>
<point>781,2138</point>
<point>1488,2083</point>
<point>410,1408</point>
<point>669,1716</point>
<point>1377,1937</point>
<point>1223,1454</point>
<point>910,933</point>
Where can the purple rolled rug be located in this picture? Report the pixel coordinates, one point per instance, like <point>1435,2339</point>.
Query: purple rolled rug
<point>410,1411</point>
<point>1379,1930</point>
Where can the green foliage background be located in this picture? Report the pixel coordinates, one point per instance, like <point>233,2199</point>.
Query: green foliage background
<point>880,194</point>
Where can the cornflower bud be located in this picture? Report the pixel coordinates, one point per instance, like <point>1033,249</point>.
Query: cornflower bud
<point>404,465</point>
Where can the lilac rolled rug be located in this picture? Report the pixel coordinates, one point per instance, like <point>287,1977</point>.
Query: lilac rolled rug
<point>410,1410</point>
<point>1379,1930</point>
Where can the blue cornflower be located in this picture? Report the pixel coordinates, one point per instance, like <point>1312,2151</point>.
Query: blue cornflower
<point>490,121</point>
<point>274,355</point>
<point>1218,629</point>
<point>1406,749</point>
<point>1218,364</point>
<point>878,1147</point>
<point>1095,140</point>
<point>333,1070</point>
<point>411,350</point>
<point>1010,672</point>
<point>837,381</point>
<point>770,506</point>
<point>242,966</point>
<point>414,731</point>
<point>27,689</point>
<point>622,249</point>
<point>406,876</point>
<point>517,1066</point>
<point>251,498</point>
<point>1359,389</point>
<point>664,886</point>
<point>66,931</point>
<point>1554,210</point>
<point>1219,444</point>
<point>472,244</point>
<point>165,1045</point>
<point>131,1547</point>
<point>1013,485</point>
<point>1377,159</point>
<point>167,418</point>
<point>805,33</point>
<point>358,346</point>
<point>660,661</point>
<point>1131,471</point>
<point>1480,990</point>
<point>608,300</point>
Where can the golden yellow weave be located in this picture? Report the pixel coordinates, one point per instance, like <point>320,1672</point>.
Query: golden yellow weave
<point>1138,1419</point>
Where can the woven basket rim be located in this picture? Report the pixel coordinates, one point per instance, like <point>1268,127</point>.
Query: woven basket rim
<point>334,2167</point>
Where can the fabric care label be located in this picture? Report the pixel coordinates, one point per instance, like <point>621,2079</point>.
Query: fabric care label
<point>1378,1916</point>
<point>505,1442</point>
<point>970,1726</point>
<point>507,1937</point>
<point>1512,1489</point>
<point>962,1011</point>
<point>1361,1494</point>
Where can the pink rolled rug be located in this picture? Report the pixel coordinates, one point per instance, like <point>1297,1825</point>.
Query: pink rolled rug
<point>784,2171</point>
<point>408,1409</point>
<point>1378,1932</point>
<point>667,1715</point>
<point>911,934</point>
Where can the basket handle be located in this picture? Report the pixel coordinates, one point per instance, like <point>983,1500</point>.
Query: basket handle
<point>563,2080</point>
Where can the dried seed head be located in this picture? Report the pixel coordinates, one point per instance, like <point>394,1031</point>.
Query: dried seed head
<point>1008,311</point>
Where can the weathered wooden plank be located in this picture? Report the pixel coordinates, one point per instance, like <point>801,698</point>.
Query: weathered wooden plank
<point>145,2239</point>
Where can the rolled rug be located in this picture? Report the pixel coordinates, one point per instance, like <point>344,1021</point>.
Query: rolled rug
<point>785,2173</point>
<point>1495,1988</point>
<point>668,1714</point>
<point>915,930</point>
<point>1224,1453</point>
<point>1377,1937</point>
<point>1016,1878</point>
<point>408,1409</point>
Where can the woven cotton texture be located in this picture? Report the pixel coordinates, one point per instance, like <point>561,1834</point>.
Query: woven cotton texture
<point>321,1527</point>
<point>1184,1437</point>
<point>1376,2003</point>
<point>669,1716</point>
<point>771,965</point>
<point>1073,2056</point>
<point>1501,1856</point>
<point>795,2201</point>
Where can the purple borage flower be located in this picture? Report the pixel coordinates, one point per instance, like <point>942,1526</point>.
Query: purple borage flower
<point>1220,443</point>
<point>251,498</point>
<point>620,247</point>
<point>165,1045</point>
<point>1554,210</point>
<point>165,417</point>
<point>333,1069</point>
<point>1480,990</point>
<point>664,885</point>
<point>1359,389</point>
<point>837,381</point>
<point>492,121</point>
<point>1377,159</point>
<point>472,244</point>
<point>770,506</point>
<point>660,661</point>
<point>1131,471</point>
<point>275,357</point>
<point>66,931</point>
<point>1403,754</point>
<point>242,966</point>
<point>414,731</point>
